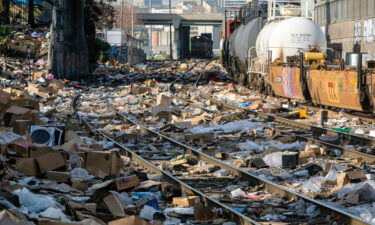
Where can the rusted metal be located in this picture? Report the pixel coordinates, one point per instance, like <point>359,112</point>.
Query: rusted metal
<point>286,82</point>
<point>335,88</point>
<point>371,90</point>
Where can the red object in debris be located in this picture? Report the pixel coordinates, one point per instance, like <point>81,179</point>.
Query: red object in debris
<point>253,197</point>
<point>213,78</point>
<point>78,86</point>
<point>230,85</point>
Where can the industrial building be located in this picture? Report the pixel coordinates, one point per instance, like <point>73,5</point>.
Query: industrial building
<point>349,25</point>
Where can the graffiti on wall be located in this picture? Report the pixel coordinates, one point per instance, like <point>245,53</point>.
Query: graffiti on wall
<point>357,32</point>
<point>365,29</point>
<point>369,30</point>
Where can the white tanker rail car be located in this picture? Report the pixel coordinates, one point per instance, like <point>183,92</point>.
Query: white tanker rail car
<point>277,49</point>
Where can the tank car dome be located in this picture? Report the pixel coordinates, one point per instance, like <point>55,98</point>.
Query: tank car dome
<point>287,37</point>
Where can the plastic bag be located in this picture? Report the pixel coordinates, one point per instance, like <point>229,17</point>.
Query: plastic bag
<point>180,210</point>
<point>79,174</point>
<point>55,213</point>
<point>148,212</point>
<point>313,185</point>
<point>273,159</point>
<point>74,160</point>
<point>237,193</point>
<point>221,173</point>
<point>34,202</point>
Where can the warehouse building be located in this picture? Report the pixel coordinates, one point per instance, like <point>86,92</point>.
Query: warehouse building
<point>349,25</point>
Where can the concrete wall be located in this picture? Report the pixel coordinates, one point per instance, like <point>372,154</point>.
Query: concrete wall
<point>348,23</point>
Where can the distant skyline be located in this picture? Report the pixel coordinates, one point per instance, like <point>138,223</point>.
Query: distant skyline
<point>165,3</point>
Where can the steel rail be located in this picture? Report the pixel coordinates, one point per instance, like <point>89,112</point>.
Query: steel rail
<point>239,218</point>
<point>368,158</point>
<point>255,180</point>
<point>315,129</point>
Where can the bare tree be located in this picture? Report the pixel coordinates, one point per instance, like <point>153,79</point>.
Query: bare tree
<point>68,57</point>
<point>126,21</point>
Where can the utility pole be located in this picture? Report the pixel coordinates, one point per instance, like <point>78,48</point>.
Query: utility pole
<point>132,21</point>
<point>122,20</point>
<point>170,30</point>
<point>150,6</point>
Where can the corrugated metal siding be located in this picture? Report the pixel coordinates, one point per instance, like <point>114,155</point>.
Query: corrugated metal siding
<point>344,10</point>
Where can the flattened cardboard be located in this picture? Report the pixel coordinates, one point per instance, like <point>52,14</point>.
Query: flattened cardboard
<point>358,175</point>
<point>114,205</point>
<point>131,220</point>
<point>58,176</point>
<point>50,161</point>
<point>124,183</point>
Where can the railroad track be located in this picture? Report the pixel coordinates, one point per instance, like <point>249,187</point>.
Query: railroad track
<point>317,131</point>
<point>269,187</point>
<point>239,218</point>
<point>235,216</point>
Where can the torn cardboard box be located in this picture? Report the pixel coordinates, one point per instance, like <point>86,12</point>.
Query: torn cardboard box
<point>102,164</point>
<point>16,113</point>
<point>186,201</point>
<point>27,166</point>
<point>50,161</point>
